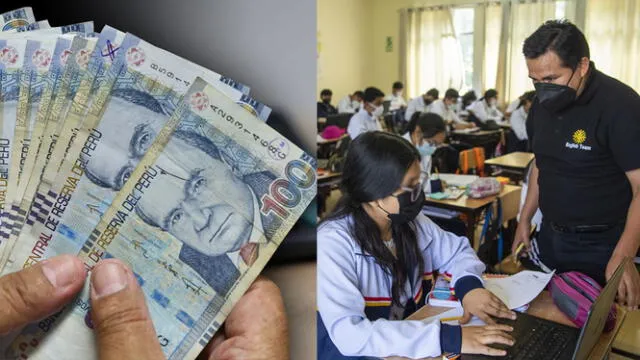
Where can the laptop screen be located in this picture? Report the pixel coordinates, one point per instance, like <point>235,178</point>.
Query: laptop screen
<point>590,333</point>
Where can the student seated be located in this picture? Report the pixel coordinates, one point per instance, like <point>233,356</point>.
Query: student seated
<point>396,100</point>
<point>350,104</point>
<point>467,99</point>
<point>421,103</point>
<point>485,109</point>
<point>377,254</point>
<point>518,137</point>
<point>426,131</point>
<point>446,108</point>
<point>324,105</point>
<point>367,119</point>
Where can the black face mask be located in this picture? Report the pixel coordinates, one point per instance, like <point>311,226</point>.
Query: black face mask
<point>326,101</point>
<point>556,97</point>
<point>427,101</point>
<point>409,210</point>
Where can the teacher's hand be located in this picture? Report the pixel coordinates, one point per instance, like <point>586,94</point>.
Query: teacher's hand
<point>629,288</point>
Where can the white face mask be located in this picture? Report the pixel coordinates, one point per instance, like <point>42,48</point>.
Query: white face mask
<point>377,110</point>
<point>355,104</point>
<point>451,107</point>
<point>399,93</point>
<point>493,102</point>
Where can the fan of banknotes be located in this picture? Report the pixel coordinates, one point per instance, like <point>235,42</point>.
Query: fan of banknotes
<point>112,147</point>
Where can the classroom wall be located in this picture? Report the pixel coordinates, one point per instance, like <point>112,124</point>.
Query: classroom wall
<point>344,46</point>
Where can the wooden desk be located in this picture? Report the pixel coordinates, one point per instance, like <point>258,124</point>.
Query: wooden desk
<point>542,307</point>
<point>515,160</point>
<point>472,208</point>
<point>488,139</point>
<point>513,164</point>
<point>627,342</point>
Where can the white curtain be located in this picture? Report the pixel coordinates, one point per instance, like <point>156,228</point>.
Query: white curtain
<point>492,31</point>
<point>433,55</point>
<point>525,18</point>
<point>613,34</point>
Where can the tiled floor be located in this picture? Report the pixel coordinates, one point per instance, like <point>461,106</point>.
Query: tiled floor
<point>298,285</point>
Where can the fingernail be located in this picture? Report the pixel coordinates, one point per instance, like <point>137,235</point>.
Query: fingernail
<point>108,278</point>
<point>60,271</point>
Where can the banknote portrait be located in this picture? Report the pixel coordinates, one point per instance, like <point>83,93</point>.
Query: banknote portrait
<point>199,197</point>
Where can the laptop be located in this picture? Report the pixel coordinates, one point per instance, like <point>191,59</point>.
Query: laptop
<point>538,338</point>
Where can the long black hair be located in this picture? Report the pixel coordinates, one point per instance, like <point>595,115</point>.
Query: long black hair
<point>374,169</point>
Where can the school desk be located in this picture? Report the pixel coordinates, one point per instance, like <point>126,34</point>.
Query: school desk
<point>512,165</point>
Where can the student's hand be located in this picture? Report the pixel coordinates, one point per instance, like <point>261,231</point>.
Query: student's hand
<point>256,328</point>
<point>476,339</point>
<point>484,304</point>
<point>523,235</point>
<point>629,288</point>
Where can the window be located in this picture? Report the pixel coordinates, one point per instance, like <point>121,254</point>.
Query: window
<point>463,23</point>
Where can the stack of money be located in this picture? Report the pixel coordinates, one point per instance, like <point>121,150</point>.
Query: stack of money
<point>111,147</point>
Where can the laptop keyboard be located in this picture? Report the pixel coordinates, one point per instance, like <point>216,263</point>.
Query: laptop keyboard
<point>538,340</point>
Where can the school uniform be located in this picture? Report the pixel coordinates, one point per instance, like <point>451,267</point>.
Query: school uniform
<point>356,319</point>
<point>513,106</point>
<point>485,112</point>
<point>582,153</point>
<point>362,122</point>
<point>425,160</point>
<point>517,138</point>
<point>416,104</point>
<point>440,108</point>
<point>396,102</point>
<point>348,106</point>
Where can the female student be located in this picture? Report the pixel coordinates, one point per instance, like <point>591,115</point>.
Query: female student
<point>376,257</point>
<point>485,109</point>
<point>518,142</point>
<point>426,131</point>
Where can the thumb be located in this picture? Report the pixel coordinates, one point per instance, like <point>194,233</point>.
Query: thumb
<point>120,316</point>
<point>38,291</point>
<point>466,317</point>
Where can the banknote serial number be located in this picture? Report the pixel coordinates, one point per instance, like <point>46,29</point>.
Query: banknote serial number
<point>169,74</point>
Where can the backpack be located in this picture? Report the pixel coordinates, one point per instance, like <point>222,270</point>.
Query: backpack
<point>574,293</point>
<point>472,162</point>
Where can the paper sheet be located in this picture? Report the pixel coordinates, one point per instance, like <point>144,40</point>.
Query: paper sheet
<point>519,289</point>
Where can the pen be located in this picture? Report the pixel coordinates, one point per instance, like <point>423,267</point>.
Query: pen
<point>515,254</point>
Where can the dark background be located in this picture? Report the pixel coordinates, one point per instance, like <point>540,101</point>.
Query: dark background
<point>269,45</point>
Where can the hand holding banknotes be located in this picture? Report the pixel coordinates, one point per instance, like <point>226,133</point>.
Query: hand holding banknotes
<point>255,329</point>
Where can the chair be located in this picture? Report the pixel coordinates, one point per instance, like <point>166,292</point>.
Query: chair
<point>472,161</point>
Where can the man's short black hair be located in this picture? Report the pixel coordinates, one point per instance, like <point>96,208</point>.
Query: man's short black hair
<point>561,37</point>
<point>451,94</point>
<point>359,93</point>
<point>372,93</point>
<point>434,93</point>
<point>326,92</point>
<point>398,85</point>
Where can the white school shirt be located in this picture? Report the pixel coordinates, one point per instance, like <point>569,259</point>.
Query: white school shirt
<point>415,104</point>
<point>440,108</point>
<point>351,283</point>
<point>396,102</point>
<point>513,106</point>
<point>518,123</point>
<point>362,122</point>
<point>484,112</point>
<point>346,106</point>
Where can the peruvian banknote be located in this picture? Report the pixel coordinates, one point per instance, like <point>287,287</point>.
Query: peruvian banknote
<point>16,18</point>
<point>147,84</point>
<point>195,227</point>
<point>38,59</point>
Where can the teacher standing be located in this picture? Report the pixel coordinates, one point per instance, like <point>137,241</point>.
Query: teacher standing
<point>584,128</point>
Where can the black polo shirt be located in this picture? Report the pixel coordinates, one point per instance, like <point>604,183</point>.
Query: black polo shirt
<point>583,152</point>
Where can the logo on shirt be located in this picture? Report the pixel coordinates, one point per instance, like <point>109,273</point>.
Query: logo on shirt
<point>578,137</point>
